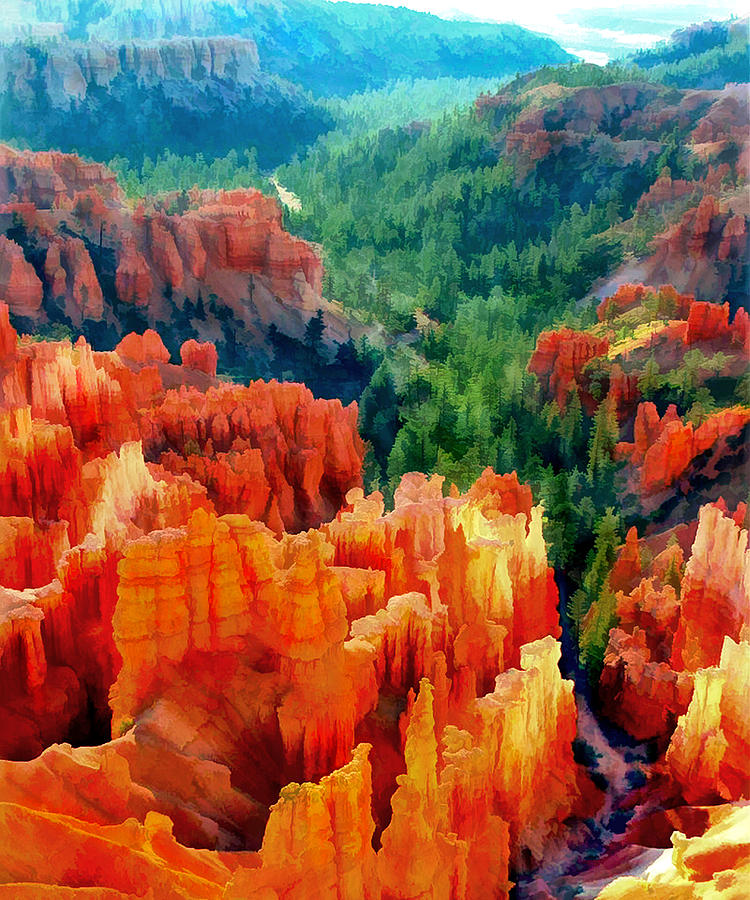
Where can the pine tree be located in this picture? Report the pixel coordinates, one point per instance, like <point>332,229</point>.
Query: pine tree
<point>571,426</point>
<point>602,443</point>
<point>314,332</point>
<point>599,621</point>
<point>577,607</point>
<point>650,379</point>
<point>601,616</point>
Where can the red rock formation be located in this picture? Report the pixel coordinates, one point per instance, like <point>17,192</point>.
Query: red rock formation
<point>715,600</point>
<point>20,287</point>
<point>242,230</point>
<point>714,242</point>
<point>142,348</point>
<point>227,252</point>
<point>191,249</point>
<point>710,322</point>
<point>74,659</point>
<point>8,336</point>
<point>65,385</point>
<point>709,754</point>
<point>198,601</point>
<point>39,466</point>
<point>61,487</point>
<point>166,257</point>
<point>640,691</point>
<point>50,180</point>
<point>559,359</point>
<point>673,623</point>
<point>664,448</point>
<point>310,450</point>
<point>29,552</point>
<point>666,190</point>
<point>69,274</point>
<point>202,357</point>
<point>666,301</point>
<point>318,840</point>
<point>125,860</point>
<point>133,279</point>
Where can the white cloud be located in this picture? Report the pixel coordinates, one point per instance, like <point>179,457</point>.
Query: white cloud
<point>589,56</point>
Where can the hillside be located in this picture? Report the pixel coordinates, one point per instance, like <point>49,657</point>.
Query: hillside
<point>702,56</point>
<point>207,79</point>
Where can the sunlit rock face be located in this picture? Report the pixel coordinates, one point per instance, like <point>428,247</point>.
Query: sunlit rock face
<point>715,596</point>
<point>715,864</point>
<point>709,754</point>
<point>674,617</point>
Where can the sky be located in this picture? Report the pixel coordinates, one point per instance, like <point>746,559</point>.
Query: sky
<point>596,30</point>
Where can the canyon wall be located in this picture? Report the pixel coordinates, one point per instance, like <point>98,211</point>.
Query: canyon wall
<point>222,270</point>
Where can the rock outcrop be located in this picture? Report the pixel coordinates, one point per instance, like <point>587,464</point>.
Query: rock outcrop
<point>75,490</point>
<point>709,754</point>
<point>666,448</point>
<point>704,252</point>
<point>303,709</point>
<point>223,265</point>
<point>560,357</point>
<point>683,447</point>
<point>202,357</point>
<point>20,287</point>
<point>70,70</point>
<point>674,618</point>
<point>715,864</point>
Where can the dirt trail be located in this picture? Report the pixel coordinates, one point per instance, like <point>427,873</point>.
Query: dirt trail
<point>290,200</point>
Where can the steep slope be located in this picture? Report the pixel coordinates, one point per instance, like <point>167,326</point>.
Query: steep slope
<point>665,372</point>
<point>544,189</point>
<point>218,266</point>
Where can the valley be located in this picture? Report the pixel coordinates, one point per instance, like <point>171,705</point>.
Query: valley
<point>373,459</point>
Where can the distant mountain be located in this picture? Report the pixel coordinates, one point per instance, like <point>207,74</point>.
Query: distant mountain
<point>188,95</point>
<point>708,55</point>
<point>613,31</point>
<point>328,48</point>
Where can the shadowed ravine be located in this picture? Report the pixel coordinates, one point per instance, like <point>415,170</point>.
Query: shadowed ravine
<point>587,857</point>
